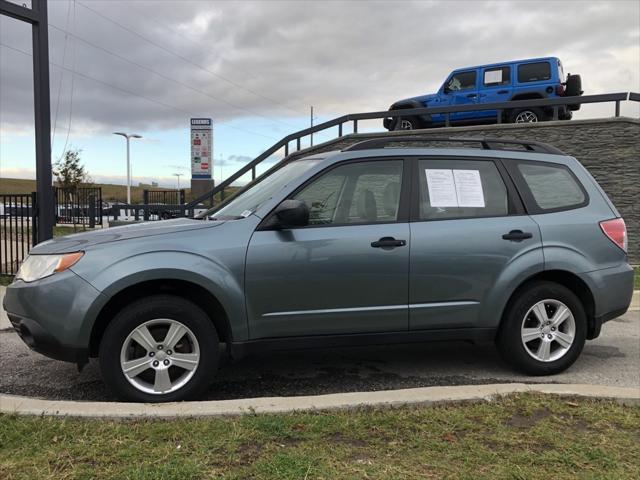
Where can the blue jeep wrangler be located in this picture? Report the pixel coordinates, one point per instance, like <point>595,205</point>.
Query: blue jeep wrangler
<point>498,82</point>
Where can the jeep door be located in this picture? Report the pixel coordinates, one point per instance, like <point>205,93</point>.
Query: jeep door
<point>462,89</point>
<point>496,86</point>
<point>471,242</point>
<point>348,270</point>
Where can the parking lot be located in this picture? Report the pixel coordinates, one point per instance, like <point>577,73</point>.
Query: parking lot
<point>612,359</point>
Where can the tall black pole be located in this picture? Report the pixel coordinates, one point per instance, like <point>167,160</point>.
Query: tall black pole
<point>40,40</point>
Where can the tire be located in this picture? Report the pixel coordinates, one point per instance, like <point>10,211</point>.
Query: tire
<point>520,322</point>
<point>407,123</point>
<point>573,88</point>
<point>197,344</point>
<point>527,115</point>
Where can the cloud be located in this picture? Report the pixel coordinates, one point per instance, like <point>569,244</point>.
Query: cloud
<point>271,60</point>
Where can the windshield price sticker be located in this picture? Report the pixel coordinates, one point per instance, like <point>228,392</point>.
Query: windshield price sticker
<point>455,188</point>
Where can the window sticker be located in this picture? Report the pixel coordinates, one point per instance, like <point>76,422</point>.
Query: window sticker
<point>493,76</point>
<point>442,188</point>
<point>455,188</point>
<point>469,188</point>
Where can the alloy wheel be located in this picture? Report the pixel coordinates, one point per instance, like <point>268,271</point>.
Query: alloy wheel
<point>548,330</point>
<point>406,125</point>
<point>526,116</point>
<point>160,356</point>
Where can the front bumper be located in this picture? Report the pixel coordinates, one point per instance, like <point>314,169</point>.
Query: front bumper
<point>41,341</point>
<point>52,315</point>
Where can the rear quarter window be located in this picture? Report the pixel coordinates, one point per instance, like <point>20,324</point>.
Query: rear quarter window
<point>534,72</point>
<point>550,187</point>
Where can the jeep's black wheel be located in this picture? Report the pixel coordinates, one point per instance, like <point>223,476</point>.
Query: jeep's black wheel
<point>161,348</point>
<point>526,115</point>
<point>573,88</point>
<point>543,329</point>
<point>407,123</point>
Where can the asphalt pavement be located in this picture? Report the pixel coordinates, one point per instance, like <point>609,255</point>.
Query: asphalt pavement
<point>612,359</point>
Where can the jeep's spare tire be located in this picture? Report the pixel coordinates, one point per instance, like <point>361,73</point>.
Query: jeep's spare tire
<point>573,88</point>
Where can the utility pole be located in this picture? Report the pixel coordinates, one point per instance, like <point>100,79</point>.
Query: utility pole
<point>128,137</point>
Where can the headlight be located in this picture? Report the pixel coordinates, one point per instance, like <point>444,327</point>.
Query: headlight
<point>36,267</point>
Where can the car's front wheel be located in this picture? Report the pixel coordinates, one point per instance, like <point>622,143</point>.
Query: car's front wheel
<point>407,123</point>
<point>543,330</point>
<point>161,348</point>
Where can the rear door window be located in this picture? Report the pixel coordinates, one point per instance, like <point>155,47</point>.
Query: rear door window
<point>534,72</point>
<point>497,76</point>
<point>549,187</point>
<point>461,189</point>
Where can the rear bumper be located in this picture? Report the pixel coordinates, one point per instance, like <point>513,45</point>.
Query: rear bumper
<point>612,290</point>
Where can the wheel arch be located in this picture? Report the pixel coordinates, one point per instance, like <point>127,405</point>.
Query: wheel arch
<point>191,291</point>
<point>568,280</point>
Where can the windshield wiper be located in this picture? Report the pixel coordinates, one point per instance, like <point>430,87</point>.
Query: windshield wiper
<point>227,217</point>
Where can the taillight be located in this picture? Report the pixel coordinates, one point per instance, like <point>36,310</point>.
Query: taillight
<point>560,90</point>
<point>616,230</point>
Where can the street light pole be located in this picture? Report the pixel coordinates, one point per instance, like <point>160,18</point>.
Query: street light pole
<point>128,137</point>
<point>178,175</point>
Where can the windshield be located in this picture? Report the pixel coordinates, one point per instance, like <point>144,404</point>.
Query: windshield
<point>247,201</point>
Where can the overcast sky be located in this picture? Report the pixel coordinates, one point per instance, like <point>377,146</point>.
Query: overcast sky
<point>256,67</point>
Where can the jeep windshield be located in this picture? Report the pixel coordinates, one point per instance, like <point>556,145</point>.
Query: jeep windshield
<point>247,201</point>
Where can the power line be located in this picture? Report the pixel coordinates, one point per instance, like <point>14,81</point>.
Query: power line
<point>64,56</point>
<point>187,60</point>
<point>143,67</point>
<point>185,37</point>
<point>73,68</point>
<point>129,92</point>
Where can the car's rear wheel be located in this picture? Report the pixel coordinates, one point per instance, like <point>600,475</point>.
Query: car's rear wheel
<point>543,330</point>
<point>526,115</point>
<point>159,349</point>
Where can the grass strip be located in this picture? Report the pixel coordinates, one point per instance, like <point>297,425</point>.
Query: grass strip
<point>520,436</point>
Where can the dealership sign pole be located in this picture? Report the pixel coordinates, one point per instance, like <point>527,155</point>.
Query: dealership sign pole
<point>201,156</point>
<point>37,17</point>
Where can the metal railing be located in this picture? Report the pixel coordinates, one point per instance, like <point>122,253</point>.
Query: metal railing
<point>553,103</point>
<point>18,230</point>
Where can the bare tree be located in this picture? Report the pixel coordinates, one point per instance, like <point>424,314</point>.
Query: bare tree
<point>69,171</point>
<point>70,174</point>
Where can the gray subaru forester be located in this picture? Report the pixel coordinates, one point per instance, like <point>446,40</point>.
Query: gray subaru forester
<point>513,242</point>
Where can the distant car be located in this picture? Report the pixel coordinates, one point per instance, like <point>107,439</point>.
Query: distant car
<point>369,245</point>
<point>499,82</point>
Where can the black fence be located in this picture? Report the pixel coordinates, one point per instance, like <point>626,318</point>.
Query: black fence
<point>18,230</point>
<point>78,206</point>
<point>163,197</point>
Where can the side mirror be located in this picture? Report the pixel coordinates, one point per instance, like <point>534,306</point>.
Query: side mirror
<point>292,213</point>
<point>446,89</point>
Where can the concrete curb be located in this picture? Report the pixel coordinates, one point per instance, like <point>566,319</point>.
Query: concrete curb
<point>10,404</point>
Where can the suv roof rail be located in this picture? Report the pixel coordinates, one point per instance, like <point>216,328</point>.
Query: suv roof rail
<point>487,143</point>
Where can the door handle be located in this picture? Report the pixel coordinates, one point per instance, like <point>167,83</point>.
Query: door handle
<point>472,95</point>
<point>517,235</point>
<point>388,242</point>
<point>502,91</point>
